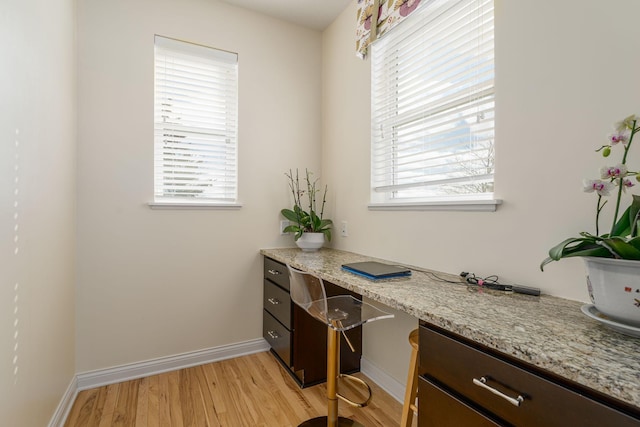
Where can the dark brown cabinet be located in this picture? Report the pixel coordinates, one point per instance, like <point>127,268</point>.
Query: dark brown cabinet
<point>465,383</point>
<point>298,340</point>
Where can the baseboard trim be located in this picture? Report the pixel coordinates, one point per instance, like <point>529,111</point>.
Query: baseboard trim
<point>66,403</point>
<point>100,377</point>
<point>385,381</point>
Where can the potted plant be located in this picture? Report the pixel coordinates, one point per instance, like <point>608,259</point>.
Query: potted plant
<point>612,259</point>
<point>307,222</point>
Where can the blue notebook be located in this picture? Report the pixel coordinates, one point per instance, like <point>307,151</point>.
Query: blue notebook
<point>376,270</point>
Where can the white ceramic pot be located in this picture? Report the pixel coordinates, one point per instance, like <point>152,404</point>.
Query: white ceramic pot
<point>614,288</point>
<point>310,242</point>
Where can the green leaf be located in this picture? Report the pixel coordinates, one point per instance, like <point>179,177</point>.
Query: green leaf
<point>634,216</point>
<point>628,219</point>
<point>623,226</point>
<point>291,229</point>
<point>290,215</point>
<point>570,245</point>
<point>315,221</point>
<point>325,223</point>
<point>621,248</point>
<point>635,242</point>
<point>576,246</point>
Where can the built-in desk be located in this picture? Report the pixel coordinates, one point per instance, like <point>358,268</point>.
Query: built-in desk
<point>550,334</point>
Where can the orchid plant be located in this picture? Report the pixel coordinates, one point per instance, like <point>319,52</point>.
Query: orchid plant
<point>622,241</point>
<point>310,220</point>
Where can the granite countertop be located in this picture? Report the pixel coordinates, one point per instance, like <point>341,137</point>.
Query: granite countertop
<point>548,332</point>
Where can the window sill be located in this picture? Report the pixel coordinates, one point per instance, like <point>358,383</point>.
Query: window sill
<point>194,206</point>
<point>454,205</point>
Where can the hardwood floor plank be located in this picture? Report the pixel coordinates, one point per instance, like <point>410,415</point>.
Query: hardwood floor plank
<point>250,391</point>
<point>124,414</point>
<point>214,391</point>
<point>280,380</point>
<point>231,395</point>
<point>142,405</point>
<point>83,407</point>
<point>164,414</point>
<point>109,405</point>
<point>201,405</point>
<point>174,401</point>
<point>260,395</point>
<point>187,402</point>
<point>205,394</point>
<point>96,413</point>
<point>153,408</point>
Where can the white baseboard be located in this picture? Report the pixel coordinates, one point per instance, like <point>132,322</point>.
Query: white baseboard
<point>64,407</point>
<point>100,377</point>
<point>385,381</point>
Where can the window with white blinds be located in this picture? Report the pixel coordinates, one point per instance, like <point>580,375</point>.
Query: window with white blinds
<point>196,109</point>
<point>433,106</point>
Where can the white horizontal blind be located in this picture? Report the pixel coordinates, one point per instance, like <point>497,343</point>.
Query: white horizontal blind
<point>433,105</point>
<point>196,109</point>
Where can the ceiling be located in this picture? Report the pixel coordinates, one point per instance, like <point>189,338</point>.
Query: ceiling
<point>315,14</point>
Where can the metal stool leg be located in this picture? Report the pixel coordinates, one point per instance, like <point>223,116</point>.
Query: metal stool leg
<point>333,361</point>
<point>412,383</point>
<point>333,369</point>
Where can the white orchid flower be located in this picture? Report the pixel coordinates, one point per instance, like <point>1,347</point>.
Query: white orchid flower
<point>601,187</point>
<point>613,172</point>
<point>616,137</point>
<point>626,183</point>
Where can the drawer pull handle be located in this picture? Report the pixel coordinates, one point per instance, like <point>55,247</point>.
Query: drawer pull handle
<point>482,382</point>
<point>273,334</point>
<point>273,272</point>
<point>274,301</point>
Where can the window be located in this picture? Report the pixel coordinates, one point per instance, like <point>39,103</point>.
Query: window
<point>433,107</point>
<point>195,124</point>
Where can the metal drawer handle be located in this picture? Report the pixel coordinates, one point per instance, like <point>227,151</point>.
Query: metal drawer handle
<point>273,272</point>
<point>482,382</point>
<point>274,301</point>
<point>273,334</point>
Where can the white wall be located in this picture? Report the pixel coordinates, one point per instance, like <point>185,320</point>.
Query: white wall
<point>37,207</point>
<point>565,71</point>
<point>156,283</point>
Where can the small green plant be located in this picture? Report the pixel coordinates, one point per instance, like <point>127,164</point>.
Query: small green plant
<point>309,220</point>
<point>623,241</point>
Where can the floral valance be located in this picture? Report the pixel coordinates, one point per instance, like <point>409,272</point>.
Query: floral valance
<point>387,14</point>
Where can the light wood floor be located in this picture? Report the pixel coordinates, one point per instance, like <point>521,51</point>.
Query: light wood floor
<point>249,391</point>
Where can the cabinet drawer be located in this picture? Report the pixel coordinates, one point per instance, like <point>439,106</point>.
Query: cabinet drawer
<point>276,272</point>
<point>278,337</point>
<point>277,302</point>
<point>438,408</point>
<point>455,365</point>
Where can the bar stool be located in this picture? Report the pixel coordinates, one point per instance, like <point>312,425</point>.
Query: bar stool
<point>339,313</point>
<point>412,383</point>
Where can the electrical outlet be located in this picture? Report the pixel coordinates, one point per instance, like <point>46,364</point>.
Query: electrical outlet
<point>344,229</point>
<point>284,224</point>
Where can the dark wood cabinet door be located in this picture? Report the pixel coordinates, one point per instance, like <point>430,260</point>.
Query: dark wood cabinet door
<point>438,408</point>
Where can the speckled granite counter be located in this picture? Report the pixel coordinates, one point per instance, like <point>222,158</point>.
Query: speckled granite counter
<point>548,332</point>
